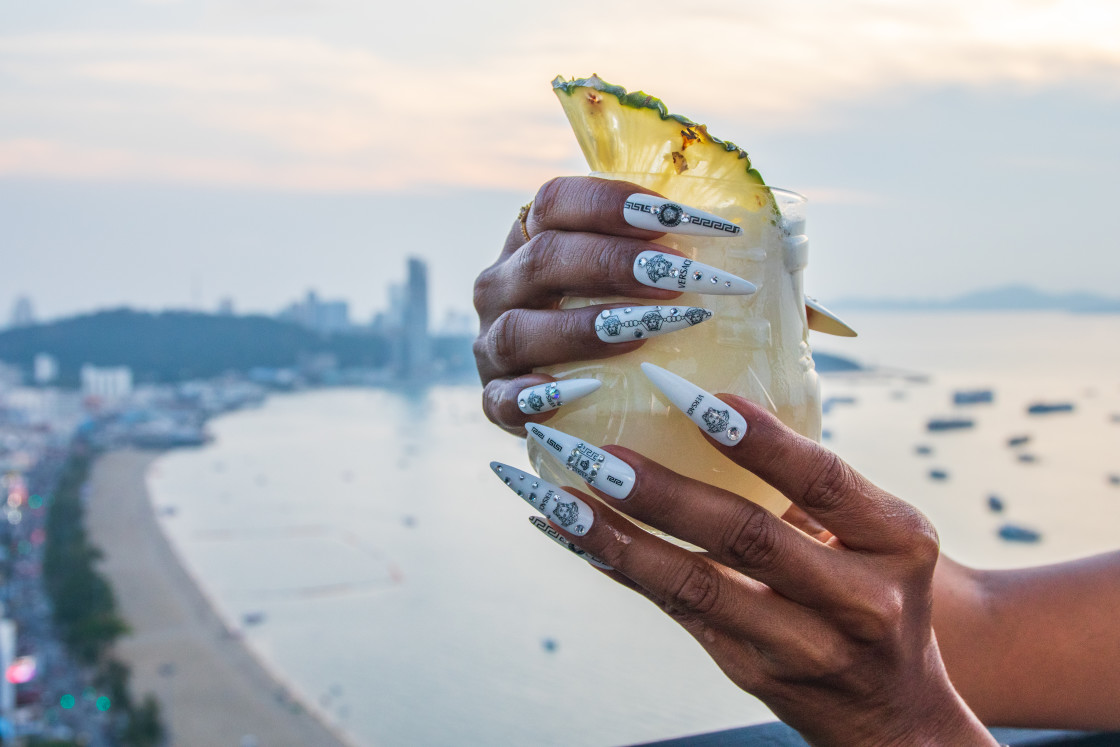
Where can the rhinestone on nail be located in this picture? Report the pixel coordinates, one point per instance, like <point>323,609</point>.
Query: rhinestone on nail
<point>733,434</point>
<point>715,279</point>
<point>643,262</point>
<point>697,275</point>
<point>674,273</point>
<point>522,403</point>
<point>605,314</point>
<point>727,284</point>
<point>627,311</point>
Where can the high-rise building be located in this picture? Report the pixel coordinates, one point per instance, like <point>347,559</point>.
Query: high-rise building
<point>23,314</point>
<point>416,347</point>
<point>327,317</point>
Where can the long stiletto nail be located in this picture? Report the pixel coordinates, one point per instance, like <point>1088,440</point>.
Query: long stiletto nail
<point>599,469</point>
<point>660,270</point>
<point>549,396</point>
<point>823,320</point>
<point>638,322</point>
<point>565,509</point>
<point>713,415</point>
<point>659,214</point>
<point>549,531</point>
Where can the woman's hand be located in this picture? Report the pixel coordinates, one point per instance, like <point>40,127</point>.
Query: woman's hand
<point>581,246</point>
<point>833,632</point>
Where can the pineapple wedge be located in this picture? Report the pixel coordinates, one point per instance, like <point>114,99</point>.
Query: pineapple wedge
<point>633,132</point>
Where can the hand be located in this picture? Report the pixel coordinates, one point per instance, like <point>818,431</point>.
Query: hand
<point>834,636</point>
<point>581,246</point>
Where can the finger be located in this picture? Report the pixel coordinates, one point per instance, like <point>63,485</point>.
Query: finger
<point>689,587</point>
<point>523,339</point>
<point>737,532</point>
<point>857,512</point>
<point>512,402</point>
<point>581,203</point>
<point>556,264</point>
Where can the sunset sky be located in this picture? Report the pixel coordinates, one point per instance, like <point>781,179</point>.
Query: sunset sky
<point>168,153</point>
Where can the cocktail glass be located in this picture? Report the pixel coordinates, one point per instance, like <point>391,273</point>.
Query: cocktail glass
<point>756,346</point>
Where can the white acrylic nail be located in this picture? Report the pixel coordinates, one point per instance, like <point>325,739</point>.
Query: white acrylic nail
<point>550,395</point>
<point>563,508</point>
<point>550,531</point>
<point>661,270</point>
<point>719,420</point>
<point>639,322</point>
<point>599,469</point>
<point>823,320</point>
<point>659,214</point>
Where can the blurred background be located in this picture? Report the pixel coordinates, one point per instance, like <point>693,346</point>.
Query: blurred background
<point>240,440</point>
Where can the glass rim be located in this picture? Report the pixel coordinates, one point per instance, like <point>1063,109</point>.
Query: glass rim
<point>780,191</point>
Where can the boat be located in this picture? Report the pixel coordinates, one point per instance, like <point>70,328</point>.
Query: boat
<point>995,503</point>
<point>949,424</point>
<point>973,397</point>
<point>1018,441</point>
<point>938,474</point>
<point>1045,408</point>
<point>1018,533</point>
<point>923,450</point>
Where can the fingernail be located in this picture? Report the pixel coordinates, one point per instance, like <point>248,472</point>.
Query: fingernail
<point>550,531</point>
<point>713,415</point>
<point>659,214</point>
<point>549,396</point>
<point>638,322</point>
<point>597,468</point>
<point>659,270</point>
<point>566,510</point>
<point>823,320</point>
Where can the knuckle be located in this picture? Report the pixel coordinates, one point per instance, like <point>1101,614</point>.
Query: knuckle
<point>924,544</point>
<point>693,590</point>
<point>502,339</point>
<point>751,540</point>
<point>830,481</point>
<point>534,257</point>
<point>483,290</point>
<point>492,402</point>
<point>548,197</point>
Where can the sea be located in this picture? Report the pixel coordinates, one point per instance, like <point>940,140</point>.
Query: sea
<point>357,542</point>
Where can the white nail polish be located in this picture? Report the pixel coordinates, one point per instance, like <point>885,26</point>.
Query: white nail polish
<point>668,271</point>
<point>565,509</point>
<point>599,469</point>
<point>549,396</point>
<point>659,214</point>
<point>639,322</point>
<point>713,415</point>
<point>550,531</point>
<point>823,320</point>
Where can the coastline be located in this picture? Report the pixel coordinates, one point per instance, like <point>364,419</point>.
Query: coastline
<point>211,688</point>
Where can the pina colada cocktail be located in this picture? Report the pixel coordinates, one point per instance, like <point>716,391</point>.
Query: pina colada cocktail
<point>754,345</point>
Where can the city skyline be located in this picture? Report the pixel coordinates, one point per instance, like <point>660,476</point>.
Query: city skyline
<point>175,152</point>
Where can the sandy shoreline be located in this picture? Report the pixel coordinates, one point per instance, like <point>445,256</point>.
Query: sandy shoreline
<point>211,688</point>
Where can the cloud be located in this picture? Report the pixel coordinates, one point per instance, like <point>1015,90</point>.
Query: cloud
<point>308,112</point>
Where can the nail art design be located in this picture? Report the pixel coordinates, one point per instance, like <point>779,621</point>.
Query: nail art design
<point>549,396</point>
<point>549,531</point>
<point>566,510</point>
<point>599,469</point>
<point>720,421</point>
<point>823,320</point>
<point>659,270</point>
<point>659,214</point>
<point>638,322</point>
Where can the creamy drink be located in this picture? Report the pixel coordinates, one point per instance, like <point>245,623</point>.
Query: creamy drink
<point>755,345</point>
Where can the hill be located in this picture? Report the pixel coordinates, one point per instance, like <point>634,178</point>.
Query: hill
<point>179,345</point>
<point>1005,298</point>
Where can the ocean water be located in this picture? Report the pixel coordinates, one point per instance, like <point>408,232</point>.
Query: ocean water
<point>403,594</point>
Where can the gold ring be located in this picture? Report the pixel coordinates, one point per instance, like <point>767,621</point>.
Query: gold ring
<point>522,217</point>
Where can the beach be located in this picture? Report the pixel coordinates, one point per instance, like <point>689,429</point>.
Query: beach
<point>401,596</point>
<point>212,691</point>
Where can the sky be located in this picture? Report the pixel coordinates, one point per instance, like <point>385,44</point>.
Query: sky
<point>172,153</point>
